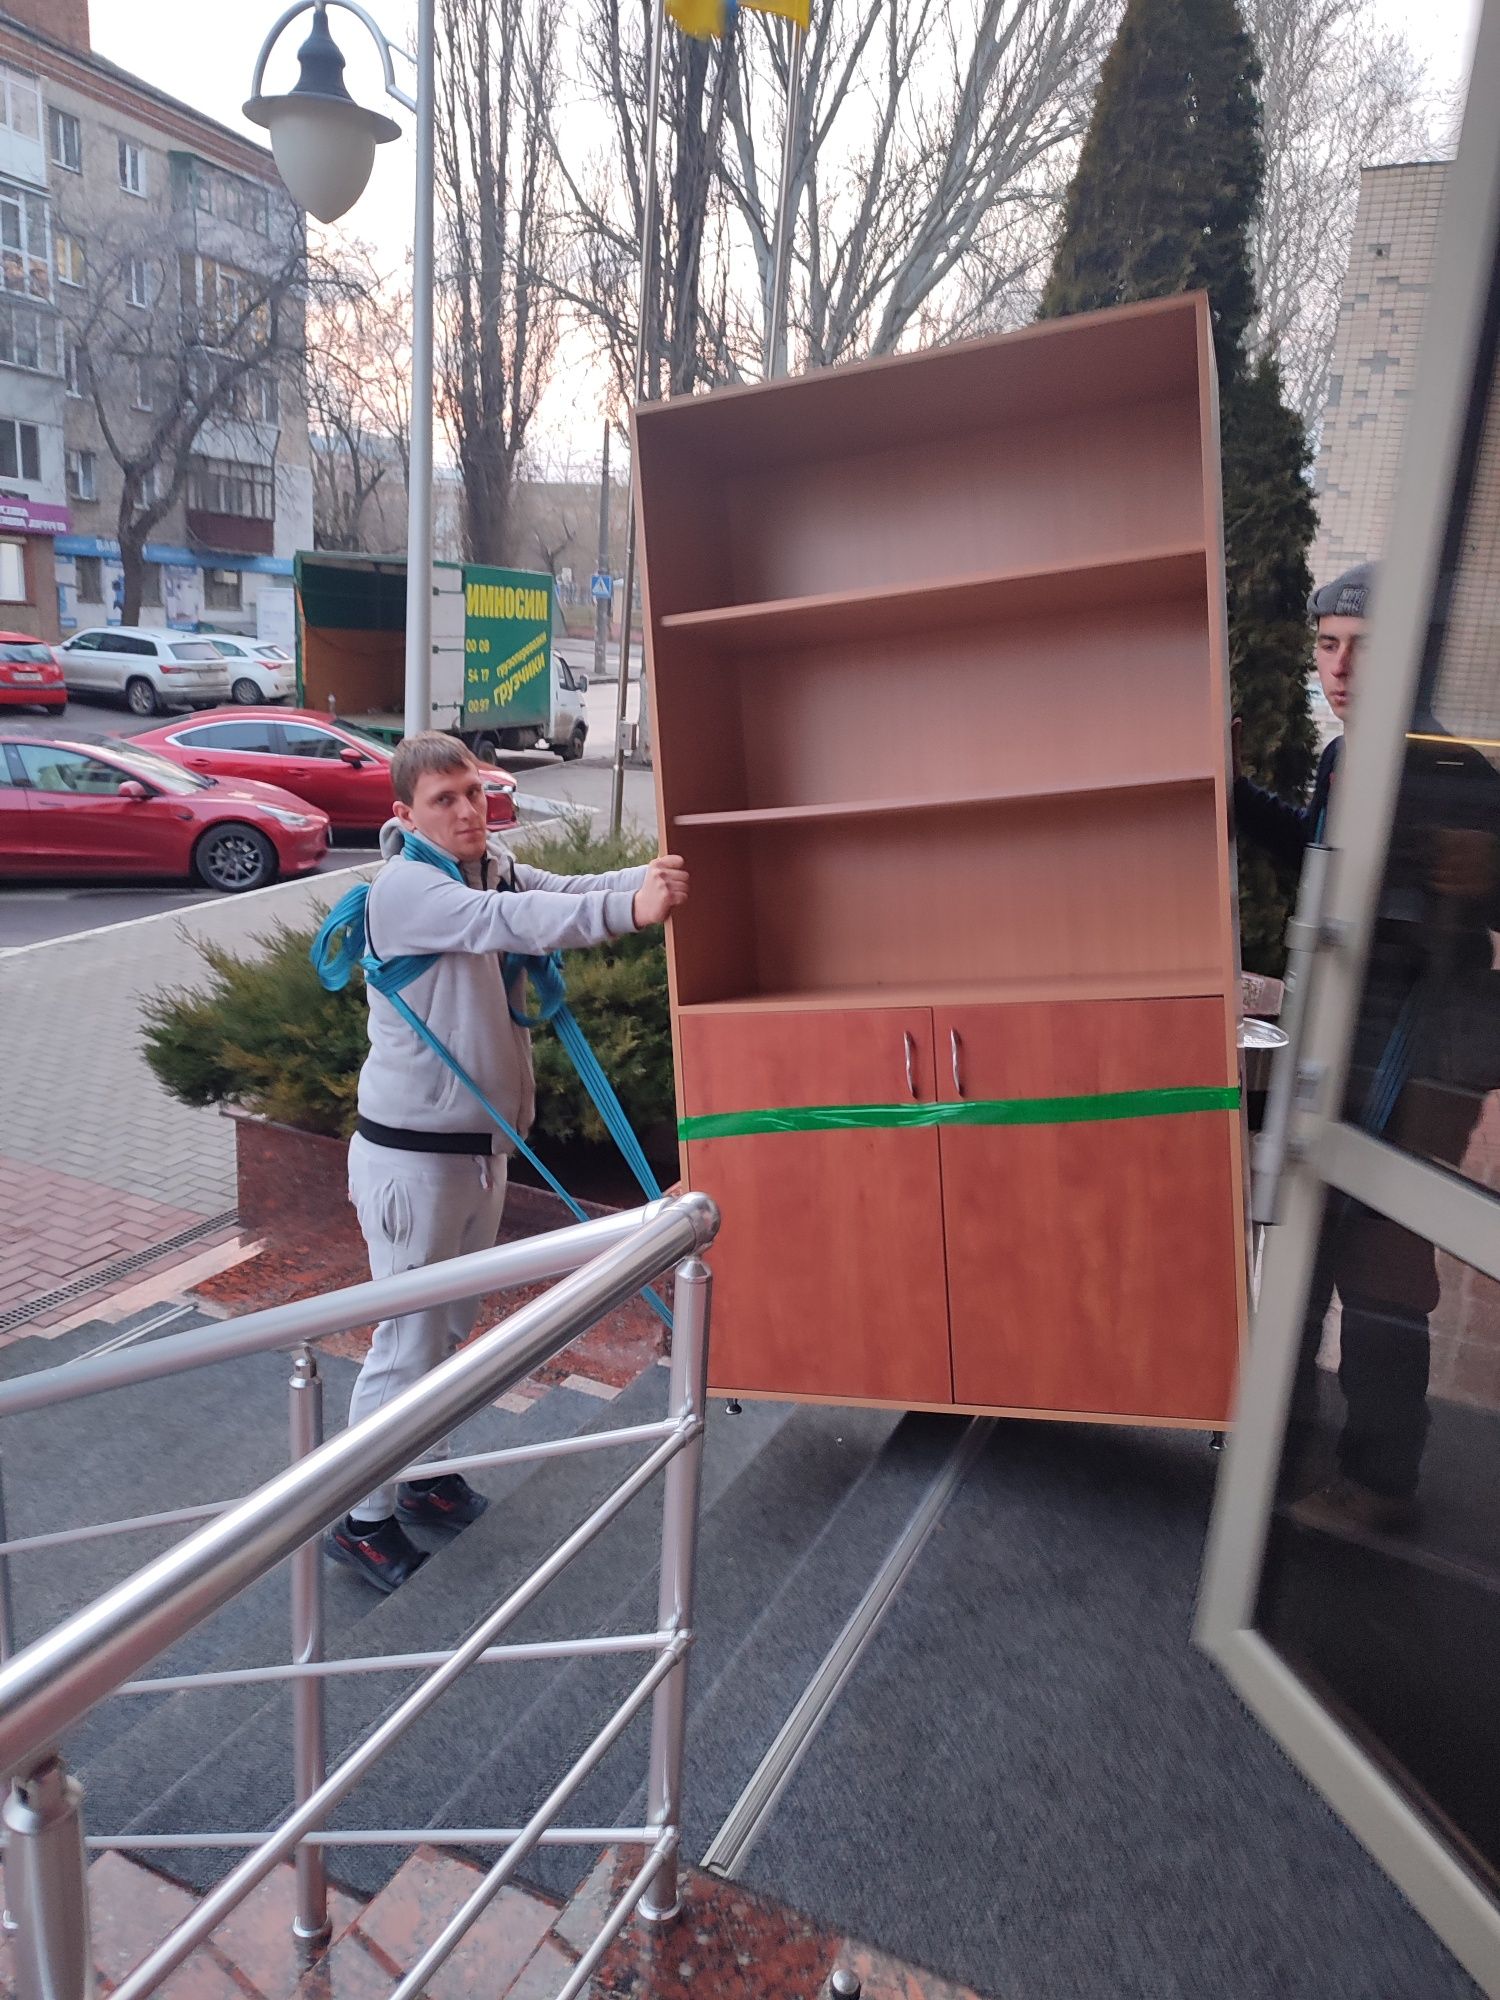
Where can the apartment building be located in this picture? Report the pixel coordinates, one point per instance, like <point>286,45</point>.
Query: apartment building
<point>1382,316</point>
<point>145,263</point>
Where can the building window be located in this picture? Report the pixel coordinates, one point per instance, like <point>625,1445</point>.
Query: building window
<point>90,579</point>
<point>144,394</point>
<point>83,475</point>
<point>64,140</point>
<point>138,279</point>
<point>225,195</point>
<point>20,102</point>
<point>20,450</point>
<point>67,257</point>
<point>27,340</point>
<point>13,572</point>
<point>256,399</point>
<point>220,486</point>
<point>217,299</point>
<point>151,584</point>
<point>25,243</point>
<point>73,365</point>
<point>132,167</point>
<point>221,590</point>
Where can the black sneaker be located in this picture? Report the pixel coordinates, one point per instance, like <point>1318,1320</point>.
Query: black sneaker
<point>382,1554</point>
<point>448,1502</point>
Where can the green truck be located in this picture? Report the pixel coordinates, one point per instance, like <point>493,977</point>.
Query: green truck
<point>496,681</point>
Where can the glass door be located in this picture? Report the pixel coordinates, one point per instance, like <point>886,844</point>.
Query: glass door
<point>1353,1585</point>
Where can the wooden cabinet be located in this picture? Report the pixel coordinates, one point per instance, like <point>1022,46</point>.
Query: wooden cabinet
<point>829,1268</point>
<point>937,677</point>
<point>1072,1284</point>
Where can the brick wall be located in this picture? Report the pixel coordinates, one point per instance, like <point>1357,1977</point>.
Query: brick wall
<point>64,20</point>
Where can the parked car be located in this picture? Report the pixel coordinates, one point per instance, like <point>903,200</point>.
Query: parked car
<point>29,676</point>
<point>331,764</point>
<point>117,809</point>
<point>258,672</point>
<point>150,670</point>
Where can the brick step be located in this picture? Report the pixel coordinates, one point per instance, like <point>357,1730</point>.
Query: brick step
<point>727,1945</point>
<point>253,1955</point>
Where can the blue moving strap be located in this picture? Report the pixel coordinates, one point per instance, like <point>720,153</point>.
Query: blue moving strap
<point>343,943</point>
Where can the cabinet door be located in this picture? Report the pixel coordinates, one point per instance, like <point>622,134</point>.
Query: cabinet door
<point>828,1271</point>
<point>1092,1266</point>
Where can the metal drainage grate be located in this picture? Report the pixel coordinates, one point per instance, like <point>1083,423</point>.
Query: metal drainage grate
<point>80,1288</point>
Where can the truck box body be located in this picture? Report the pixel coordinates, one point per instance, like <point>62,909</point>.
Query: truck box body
<point>492,665</point>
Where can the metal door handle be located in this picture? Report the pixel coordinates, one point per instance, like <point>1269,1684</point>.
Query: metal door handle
<point>956,1047</point>
<point>911,1061</point>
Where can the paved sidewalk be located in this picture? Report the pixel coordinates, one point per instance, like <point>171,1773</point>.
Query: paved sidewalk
<point>96,1160</point>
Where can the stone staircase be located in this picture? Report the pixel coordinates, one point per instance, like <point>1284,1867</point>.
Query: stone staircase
<point>799,1507</point>
<point>1030,1780</point>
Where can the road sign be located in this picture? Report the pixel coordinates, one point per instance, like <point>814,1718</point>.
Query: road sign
<point>601,588</point>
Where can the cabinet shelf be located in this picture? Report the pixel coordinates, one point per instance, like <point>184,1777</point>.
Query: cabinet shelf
<point>890,610</point>
<point>771,816</point>
<point>1203,983</point>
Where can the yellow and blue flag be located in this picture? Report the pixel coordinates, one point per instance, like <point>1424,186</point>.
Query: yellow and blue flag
<point>710,18</point>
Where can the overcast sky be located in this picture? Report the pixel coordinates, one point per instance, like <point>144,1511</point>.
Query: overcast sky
<point>207,56</point>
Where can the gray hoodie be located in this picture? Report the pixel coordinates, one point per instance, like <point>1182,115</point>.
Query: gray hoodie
<point>414,908</point>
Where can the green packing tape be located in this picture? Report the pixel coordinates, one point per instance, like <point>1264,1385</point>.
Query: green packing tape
<point>1098,1108</point>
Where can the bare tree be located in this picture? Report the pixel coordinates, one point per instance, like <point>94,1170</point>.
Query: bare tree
<point>184,358</point>
<point>932,145</point>
<point>358,399</point>
<point>1338,92</point>
<point>497,80</point>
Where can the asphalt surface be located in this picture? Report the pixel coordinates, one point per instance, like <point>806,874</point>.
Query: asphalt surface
<point>32,912</point>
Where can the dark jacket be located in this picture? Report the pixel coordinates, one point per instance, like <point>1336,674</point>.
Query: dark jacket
<point>1285,831</point>
<point>1422,942</point>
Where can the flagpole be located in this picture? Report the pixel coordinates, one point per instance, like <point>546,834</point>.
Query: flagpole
<point>643,306</point>
<point>775,355</point>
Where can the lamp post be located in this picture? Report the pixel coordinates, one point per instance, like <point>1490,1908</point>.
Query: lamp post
<point>324,146</point>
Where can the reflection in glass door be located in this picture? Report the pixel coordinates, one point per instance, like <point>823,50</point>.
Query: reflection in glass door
<point>1353,1588</point>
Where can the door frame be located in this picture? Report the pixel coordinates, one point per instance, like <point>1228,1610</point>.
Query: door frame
<point>1457,1216</point>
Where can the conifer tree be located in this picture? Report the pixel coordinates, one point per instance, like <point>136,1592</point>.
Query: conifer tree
<point>1162,202</point>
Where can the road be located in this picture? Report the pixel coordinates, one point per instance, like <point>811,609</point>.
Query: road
<point>33,911</point>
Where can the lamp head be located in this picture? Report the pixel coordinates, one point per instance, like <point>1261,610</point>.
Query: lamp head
<point>324,143</point>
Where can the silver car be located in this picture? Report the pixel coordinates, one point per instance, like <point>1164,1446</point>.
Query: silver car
<point>150,670</point>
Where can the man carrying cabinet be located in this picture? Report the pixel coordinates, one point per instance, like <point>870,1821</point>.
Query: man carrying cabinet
<point>427,1169</point>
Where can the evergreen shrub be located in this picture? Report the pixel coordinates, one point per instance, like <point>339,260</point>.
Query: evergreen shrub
<point>264,1035</point>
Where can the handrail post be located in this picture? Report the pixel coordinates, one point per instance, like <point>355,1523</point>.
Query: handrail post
<point>7,1600</point>
<point>310,1926</point>
<point>46,1885</point>
<point>688,1395</point>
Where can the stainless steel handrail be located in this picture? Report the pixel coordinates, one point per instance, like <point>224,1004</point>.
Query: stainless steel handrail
<point>474,1461</point>
<point>532,1260</point>
<point>55,1681</point>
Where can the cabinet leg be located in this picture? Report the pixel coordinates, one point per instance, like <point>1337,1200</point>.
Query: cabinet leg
<point>734,1407</point>
<point>1216,1440</point>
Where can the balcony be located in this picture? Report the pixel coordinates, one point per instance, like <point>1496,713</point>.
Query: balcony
<point>235,534</point>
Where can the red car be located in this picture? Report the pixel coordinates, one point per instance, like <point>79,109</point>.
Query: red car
<point>29,676</point>
<point>115,809</point>
<point>331,764</point>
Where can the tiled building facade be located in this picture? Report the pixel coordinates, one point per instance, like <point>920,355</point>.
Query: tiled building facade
<point>120,204</point>
<point>1381,317</point>
<point>1381,322</point>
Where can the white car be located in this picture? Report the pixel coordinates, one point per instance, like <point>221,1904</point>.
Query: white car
<point>150,670</point>
<point>258,671</point>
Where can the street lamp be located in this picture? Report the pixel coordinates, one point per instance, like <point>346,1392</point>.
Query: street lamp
<point>324,146</point>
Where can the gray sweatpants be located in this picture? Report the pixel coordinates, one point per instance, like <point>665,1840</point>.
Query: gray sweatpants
<point>415,1209</point>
